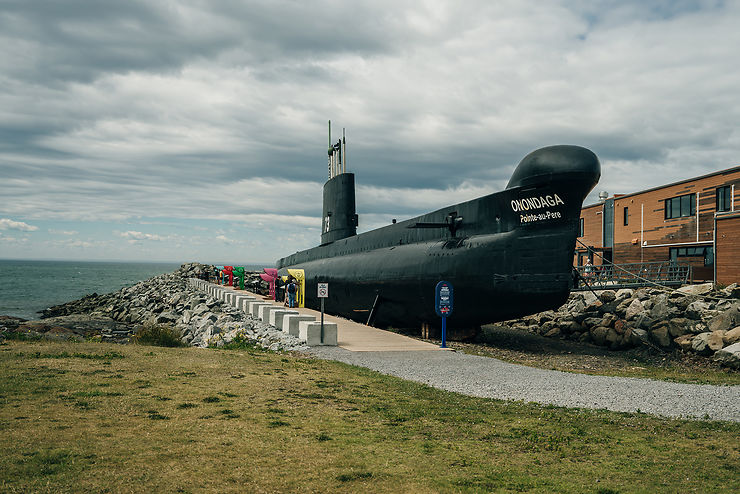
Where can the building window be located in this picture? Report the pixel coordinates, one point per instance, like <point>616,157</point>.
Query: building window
<point>706,252</point>
<point>677,207</point>
<point>580,231</point>
<point>724,198</point>
<point>626,216</point>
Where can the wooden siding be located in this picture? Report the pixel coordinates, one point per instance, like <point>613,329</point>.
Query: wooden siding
<point>728,248</point>
<point>648,236</point>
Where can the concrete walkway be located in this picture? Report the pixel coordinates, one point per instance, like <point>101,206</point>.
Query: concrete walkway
<point>357,337</point>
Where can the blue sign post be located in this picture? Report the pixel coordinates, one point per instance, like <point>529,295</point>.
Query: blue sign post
<point>443,305</point>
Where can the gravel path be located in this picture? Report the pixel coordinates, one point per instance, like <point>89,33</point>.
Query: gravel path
<point>491,378</point>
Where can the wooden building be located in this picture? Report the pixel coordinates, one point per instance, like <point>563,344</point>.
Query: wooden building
<point>696,221</point>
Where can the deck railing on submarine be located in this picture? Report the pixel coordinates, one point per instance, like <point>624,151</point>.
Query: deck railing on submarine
<point>630,275</point>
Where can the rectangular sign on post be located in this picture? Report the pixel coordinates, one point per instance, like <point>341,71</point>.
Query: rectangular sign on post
<point>323,290</point>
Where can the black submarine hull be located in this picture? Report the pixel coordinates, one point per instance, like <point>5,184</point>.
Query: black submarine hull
<point>507,254</point>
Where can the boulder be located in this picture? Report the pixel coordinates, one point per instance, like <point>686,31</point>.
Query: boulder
<point>729,356</point>
<point>699,344</point>
<point>683,301</point>
<point>684,342</point>
<point>608,320</point>
<point>678,326</point>
<point>695,309</point>
<point>732,336</point>
<point>633,309</point>
<point>661,336</point>
<point>661,308</point>
<point>572,327</point>
<point>598,334</point>
<point>591,322</point>
<point>696,327</point>
<point>638,336</point>
<point>620,325</point>
<point>607,296</point>
<point>701,289</point>
<point>642,294</point>
<point>726,320</point>
<point>625,293</point>
<point>715,341</point>
<point>613,339</point>
<point>553,332</point>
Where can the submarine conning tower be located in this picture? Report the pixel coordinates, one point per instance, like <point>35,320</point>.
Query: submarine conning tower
<point>339,218</point>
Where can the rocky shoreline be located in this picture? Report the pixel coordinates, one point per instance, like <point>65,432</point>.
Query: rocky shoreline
<point>166,299</point>
<point>695,318</point>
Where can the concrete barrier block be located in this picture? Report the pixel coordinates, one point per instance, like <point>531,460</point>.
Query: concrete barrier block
<point>263,313</point>
<point>239,301</point>
<point>310,332</point>
<point>276,316</point>
<point>245,301</point>
<point>254,307</point>
<point>291,321</point>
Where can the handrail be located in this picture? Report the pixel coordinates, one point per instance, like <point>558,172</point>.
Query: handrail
<point>628,275</point>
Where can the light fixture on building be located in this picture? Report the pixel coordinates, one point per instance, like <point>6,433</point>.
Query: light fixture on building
<point>603,195</point>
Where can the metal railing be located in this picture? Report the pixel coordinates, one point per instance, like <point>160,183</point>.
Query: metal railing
<point>665,273</point>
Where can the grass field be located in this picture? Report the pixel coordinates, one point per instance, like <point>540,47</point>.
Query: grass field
<point>105,418</point>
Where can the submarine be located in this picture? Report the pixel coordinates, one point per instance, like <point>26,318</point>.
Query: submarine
<point>507,254</point>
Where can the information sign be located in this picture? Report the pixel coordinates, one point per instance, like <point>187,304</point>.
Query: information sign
<point>323,290</point>
<point>443,296</point>
<point>443,299</point>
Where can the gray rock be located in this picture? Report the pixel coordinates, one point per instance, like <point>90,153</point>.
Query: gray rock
<point>638,336</point>
<point>684,341</point>
<point>634,308</point>
<point>591,322</point>
<point>678,326</point>
<point>608,320</point>
<point>607,296</point>
<point>697,327</point>
<point>625,293</point>
<point>702,289</point>
<point>700,344</point>
<point>729,356</point>
<point>695,309</point>
<point>598,334</point>
<point>727,319</point>
<point>661,336</point>
<point>166,318</point>
<point>660,308</point>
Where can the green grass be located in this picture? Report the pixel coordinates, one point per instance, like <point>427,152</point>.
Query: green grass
<point>193,420</point>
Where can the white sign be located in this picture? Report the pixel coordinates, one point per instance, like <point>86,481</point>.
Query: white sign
<point>323,290</point>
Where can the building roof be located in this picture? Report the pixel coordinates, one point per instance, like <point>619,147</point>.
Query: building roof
<point>622,196</point>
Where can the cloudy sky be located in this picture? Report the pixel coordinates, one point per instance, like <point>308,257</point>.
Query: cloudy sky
<point>179,130</point>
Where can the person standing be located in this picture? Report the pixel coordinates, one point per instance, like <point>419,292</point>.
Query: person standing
<point>588,269</point>
<point>291,289</point>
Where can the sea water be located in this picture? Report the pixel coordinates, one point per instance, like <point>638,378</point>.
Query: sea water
<point>27,287</point>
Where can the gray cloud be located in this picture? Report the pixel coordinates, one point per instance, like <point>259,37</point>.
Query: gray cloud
<point>117,111</point>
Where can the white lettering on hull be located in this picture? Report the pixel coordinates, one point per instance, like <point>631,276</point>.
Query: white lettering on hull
<point>531,218</point>
<point>530,203</point>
